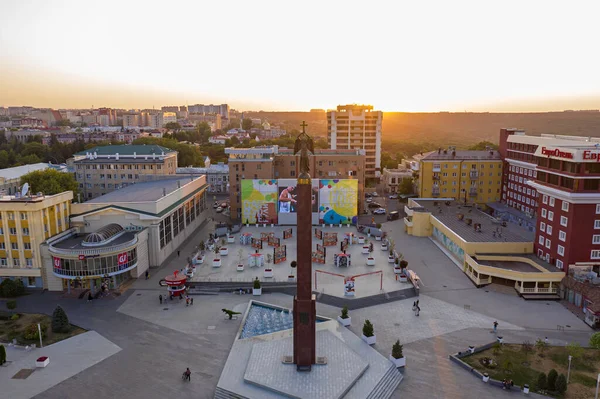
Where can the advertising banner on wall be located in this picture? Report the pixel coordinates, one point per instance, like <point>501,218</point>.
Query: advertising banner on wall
<point>287,205</point>
<point>259,201</point>
<point>338,199</point>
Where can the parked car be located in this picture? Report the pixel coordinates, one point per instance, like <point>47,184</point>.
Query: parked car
<point>375,205</point>
<point>394,215</point>
<point>374,194</point>
<point>394,196</point>
<point>379,211</point>
<point>368,195</point>
<point>215,205</point>
<point>219,210</point>
<point>369,200</point>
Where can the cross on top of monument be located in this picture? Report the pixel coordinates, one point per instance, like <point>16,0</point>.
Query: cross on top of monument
<point>303,124</point>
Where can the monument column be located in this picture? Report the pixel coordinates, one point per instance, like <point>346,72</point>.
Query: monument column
<point>304,301</point>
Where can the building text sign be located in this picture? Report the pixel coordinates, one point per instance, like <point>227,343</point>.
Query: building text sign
<point>555,152</point>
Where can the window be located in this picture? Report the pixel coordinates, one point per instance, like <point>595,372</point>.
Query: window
<point>563,221</point>
<point>27,245</point>
<point>550,215</point>
<point>16,262</point>
<point>597,209</point>
<point>596,224</point>
<point>543,227</point>
<point>548,243</point>
<point>25,231</point>
<point>13,231</point>
<point>544,212</point>
<point>561,250</point>
<point>551,201</point>
<point>3,262</point>
<point>541,240</point>
<point>595,254</point>
<point>549,230</point>
<point>562,235</point>
<point>29,263</point>
<point>545,199</point>
<point>23,216</point>
<point>2,245</point>
<point>559,264</point>
<point>565,206</point>
<point>596,239</point>
<point>11,216</point>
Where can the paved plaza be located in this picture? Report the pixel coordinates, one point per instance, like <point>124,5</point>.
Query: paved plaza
<point>326,283</point>
<point>156,345</point>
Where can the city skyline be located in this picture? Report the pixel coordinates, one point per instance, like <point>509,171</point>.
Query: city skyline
<point>270,56</point>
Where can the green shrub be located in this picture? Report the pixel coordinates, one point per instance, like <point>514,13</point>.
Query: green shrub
<point>11,288</point>
<point>561,384</point>
<point>551,381</point>
<point>15,316</point>
<point>397,350</point>
<point>60,321</point>
<point>2,355</point>
<point>345,312</point>
<point>11,304</point>
<point>32,333</point>
<point>256,283</point>
<point>368,329</point>
<point>595,340</point>
<point>541,381</point>
<point>403,264</point>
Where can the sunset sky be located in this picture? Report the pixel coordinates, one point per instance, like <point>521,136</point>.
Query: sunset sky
<point>280,55</point>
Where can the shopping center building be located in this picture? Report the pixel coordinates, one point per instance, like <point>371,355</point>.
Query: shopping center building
<point>118,236</point>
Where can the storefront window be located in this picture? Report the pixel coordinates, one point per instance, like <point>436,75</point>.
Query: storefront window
<point>97,266</point>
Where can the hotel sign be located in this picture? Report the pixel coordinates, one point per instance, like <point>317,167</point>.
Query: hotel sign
<point>556,153</point>
<point>591,156</point>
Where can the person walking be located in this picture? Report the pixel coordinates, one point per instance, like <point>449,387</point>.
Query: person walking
<point>160,298</point>
<point>187,301</point>
<point>495,327</point>
<point>90,296</point>
<point>178,252</point>
<point>546,340</point>
<point>191,301</point>
<point>188,374</point>
<point>147,274</point>
<point>418,311</point>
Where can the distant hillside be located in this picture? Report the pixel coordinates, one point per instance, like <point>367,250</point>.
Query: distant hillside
<point>462,129</point>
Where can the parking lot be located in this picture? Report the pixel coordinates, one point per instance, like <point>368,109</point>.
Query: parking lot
<point>383,199</point>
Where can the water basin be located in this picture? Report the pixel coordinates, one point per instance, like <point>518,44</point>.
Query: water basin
<point>263,319</point>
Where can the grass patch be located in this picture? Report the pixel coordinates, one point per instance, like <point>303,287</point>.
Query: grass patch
<point>15,329</point>
<point>583,379</point>
<point>512,363</point>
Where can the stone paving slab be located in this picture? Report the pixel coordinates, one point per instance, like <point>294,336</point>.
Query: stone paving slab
<point>67,358</point>
<point>330,381</point>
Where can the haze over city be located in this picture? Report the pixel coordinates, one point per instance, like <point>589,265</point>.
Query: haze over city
<point>512,56</point>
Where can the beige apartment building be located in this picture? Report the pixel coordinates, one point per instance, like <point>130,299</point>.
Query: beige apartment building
<point>101,170</point>
<point>273,162</point>
<point>25,223</point>
<point>354,127</point>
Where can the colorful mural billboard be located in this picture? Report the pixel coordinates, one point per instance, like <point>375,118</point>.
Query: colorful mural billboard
<point>259,201</point>
<point>338,199</point>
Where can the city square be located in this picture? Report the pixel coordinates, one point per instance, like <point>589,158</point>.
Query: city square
<point>168,338</point>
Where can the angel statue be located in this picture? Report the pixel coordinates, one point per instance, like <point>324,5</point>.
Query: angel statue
<point>304,144</point>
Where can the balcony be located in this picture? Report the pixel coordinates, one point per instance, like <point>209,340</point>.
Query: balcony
<point>435,193</point>
<point>437,167</point>
<point>473,192</point>
<point>93,251</point>
<point>474,174</point>
<point>436,177</point>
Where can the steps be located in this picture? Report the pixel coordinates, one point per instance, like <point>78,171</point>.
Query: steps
<point>204,291</point>
<point>387,385</point>
<point>221,393</point>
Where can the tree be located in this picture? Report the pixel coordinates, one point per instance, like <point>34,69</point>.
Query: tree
<point>595,340</point>
<point>481,146</point>
<point>397,350</point>
<point>541,381</point>
<point>540,346</point>
<point>60,321</point>
<point>575,350</point>
<point>551,382</point>
<point>368,329</point>
<point>406,187</point>
<point>561,384</point>
<point>247,124</point>
<point>50,182</point>
<point>173,126</point>
<point>387,161</point>
<point>527,348</point>
<point>11,288</point>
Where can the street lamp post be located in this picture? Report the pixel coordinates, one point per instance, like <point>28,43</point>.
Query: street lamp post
<point>569,370</point>
<point>40,333</point>
<point>597,384</point>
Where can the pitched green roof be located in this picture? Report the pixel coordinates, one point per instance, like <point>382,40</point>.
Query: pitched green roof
<point>128,149</point>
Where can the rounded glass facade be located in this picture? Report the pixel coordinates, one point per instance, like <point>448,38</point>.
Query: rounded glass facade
<point>92,266</point>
